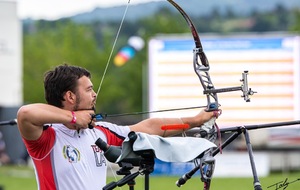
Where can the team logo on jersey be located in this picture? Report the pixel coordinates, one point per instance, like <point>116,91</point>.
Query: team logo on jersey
<point>71,153</point>
<point>99,157</point>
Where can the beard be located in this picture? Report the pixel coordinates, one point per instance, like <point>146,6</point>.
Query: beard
<point>94,108</point>
<point>76,106</point>
<point>78,100</point>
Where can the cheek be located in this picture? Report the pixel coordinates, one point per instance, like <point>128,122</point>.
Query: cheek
<point>87,97</point>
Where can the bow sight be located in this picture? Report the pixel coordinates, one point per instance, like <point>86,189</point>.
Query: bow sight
<point>244,88</point>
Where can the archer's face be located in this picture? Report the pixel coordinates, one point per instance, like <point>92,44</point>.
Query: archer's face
<point>85,95</point>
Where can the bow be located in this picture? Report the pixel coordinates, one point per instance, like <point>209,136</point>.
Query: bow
<point>201,68</point>
<point>208,130</point>
<point>202,71</point>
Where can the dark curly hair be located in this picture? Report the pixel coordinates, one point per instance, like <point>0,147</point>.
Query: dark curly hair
<point>60,80</point>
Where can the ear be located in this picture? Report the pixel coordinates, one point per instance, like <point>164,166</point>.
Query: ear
<point>70,97</point>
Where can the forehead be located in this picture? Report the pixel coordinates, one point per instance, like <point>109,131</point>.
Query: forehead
<point>84,82</point>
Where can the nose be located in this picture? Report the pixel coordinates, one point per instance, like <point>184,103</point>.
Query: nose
<point>94,94</point>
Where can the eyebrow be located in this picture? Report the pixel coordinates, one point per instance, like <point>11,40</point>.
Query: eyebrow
<point>90,87</point>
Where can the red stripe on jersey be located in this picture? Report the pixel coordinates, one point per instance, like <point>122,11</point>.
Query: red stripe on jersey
<point>39,150</point>
<point>112,137</point>
<point>45,173</point>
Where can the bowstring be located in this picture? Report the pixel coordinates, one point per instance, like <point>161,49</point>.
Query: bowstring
<point>106,68</point>
<point>113,48</point>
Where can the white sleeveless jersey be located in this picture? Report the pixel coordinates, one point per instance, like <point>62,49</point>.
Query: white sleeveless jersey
<point>65,159</point>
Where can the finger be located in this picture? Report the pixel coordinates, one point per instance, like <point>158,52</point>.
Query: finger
<point>91,124</point>
<point>77,127</point>
<point>93,116</point>
<point>217,113</point>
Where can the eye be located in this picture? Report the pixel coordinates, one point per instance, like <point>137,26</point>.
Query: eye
<point>90,88</point>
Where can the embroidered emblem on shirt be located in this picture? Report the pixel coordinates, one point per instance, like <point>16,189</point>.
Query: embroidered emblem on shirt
<point>71,153</point>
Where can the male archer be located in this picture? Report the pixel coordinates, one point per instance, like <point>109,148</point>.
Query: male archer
<point>59,141</point>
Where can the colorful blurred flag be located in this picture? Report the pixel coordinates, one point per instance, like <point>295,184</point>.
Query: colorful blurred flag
<point>135,44</point>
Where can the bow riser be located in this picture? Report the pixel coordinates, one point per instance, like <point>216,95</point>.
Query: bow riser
<point>202,72</point>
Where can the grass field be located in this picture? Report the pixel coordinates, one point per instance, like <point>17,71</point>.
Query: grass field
<point>23,178</point>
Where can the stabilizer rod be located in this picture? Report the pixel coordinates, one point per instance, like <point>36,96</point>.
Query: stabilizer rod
<point>259,126</point>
